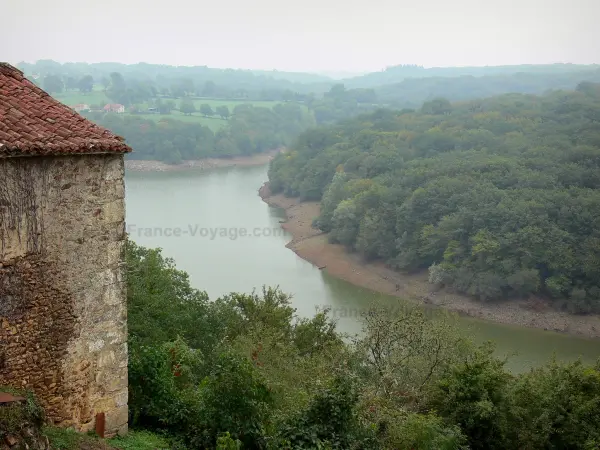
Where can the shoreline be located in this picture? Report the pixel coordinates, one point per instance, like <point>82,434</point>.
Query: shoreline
<point>148,165</point>
<point>312,245</point>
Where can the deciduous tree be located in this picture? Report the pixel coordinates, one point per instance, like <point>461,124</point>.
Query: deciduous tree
<point>53,84</point>
<point>206,110</point>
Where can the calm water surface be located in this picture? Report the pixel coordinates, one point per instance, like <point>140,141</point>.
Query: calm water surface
<point>200,218</point>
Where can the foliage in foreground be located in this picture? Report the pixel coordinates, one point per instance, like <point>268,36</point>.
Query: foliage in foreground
<point>20,420</point>
<point>243,372</point>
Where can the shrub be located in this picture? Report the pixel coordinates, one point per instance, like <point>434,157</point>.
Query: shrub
<point>473,394</point>
<point>226,442</point>
<point>330,421</point>
<point>18,418</point>
<point>232,398</point>
<point>424,432</point>
<point>157,377</point>
<point>558,406</point>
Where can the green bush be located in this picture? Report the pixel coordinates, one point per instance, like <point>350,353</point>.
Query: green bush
<point>423,432</point>
<point>15,417</point>
<point>226,442</point>
<point>330,421</point>
<point>474,394</point>
<point>159,377</point>
<point>248,373</point>
<point>558,406</point>
<point>232,398</point>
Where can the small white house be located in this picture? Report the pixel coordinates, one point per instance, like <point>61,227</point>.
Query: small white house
<point>81,107</point>
<point>114,107</point>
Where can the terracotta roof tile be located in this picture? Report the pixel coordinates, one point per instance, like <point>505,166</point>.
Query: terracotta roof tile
<point>34,123</point>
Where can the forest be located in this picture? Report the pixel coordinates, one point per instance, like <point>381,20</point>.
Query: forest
<point>249,130</point>
<point>275,85</point>
<point>245,372</point>
<point>255,128</point>
<point>398,73</point>
<point>497,198</point>
<point>412,92</point>
<point>328,100</point>
<point>206,81</point>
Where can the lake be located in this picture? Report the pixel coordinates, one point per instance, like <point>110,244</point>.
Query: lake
<point>216,228</point>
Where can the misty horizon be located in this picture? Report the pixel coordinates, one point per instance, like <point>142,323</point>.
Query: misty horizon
<point>315,37</point>
<point>325,72</point>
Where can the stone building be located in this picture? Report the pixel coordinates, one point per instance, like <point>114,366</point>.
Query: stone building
<point>63,317</point>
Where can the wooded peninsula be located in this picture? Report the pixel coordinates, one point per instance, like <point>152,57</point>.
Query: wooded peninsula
<point>497,198</point>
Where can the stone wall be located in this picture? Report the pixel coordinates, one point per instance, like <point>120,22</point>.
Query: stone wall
<point>63,324</point>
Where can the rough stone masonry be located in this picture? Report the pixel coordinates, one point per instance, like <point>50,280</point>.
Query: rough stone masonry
<point>63,317</point>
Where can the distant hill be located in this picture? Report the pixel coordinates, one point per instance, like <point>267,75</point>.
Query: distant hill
<point>164,74</point>
<point>329,99</point>
<point>341,74</point>
<point>295,77</point>
<point>399,73</point>
<point>298,82</point>
<point>412,92</point>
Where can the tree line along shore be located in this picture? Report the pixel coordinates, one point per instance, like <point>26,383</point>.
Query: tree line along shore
<point>314,246</point>
<point>495,198</point>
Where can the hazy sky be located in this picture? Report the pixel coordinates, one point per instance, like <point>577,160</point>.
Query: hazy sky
<point>304,35</point>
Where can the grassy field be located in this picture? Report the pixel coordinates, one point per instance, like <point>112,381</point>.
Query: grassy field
<point>71,98</point>
<point>98,97</point>
<point>214,123</point>
<point>229,103</point>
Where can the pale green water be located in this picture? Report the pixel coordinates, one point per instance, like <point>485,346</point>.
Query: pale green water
<point>227,199</point>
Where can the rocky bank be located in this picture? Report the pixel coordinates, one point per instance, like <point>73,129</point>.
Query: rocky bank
<point>258,159</point>
<point>313,246</point>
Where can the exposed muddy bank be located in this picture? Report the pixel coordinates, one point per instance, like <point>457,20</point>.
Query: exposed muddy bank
<point>258,159</point>
<point>313,246</point>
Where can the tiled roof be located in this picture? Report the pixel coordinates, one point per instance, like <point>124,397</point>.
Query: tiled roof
<point>34,123</point>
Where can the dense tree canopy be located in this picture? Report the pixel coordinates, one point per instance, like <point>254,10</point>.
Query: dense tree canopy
<point>498,197</point>
<point>341,102</point>
<point>412,92</point>
<point>206,110</point>
<point>245,372</point>
<point>223,111</point>
<point>397,74</point>
<point>249,130</point>
<point>186,106</point>
<point>86,84</point>
<point>331,100</point>
<point>200,81</point>
<point>129,92</point>
<point>53,84</point>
